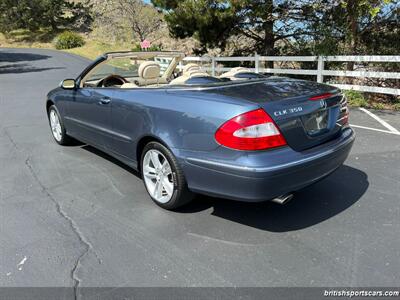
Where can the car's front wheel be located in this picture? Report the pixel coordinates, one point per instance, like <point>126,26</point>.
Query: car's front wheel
<point>57,127</point>
<point>163,178</point>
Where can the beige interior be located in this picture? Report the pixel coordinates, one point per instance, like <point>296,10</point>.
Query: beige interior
<point>189,71</point>
<point>234,71</point>
<point>149,71</point>
<point>148,80</point>
<point>190,67</point>
<point>149,74</point>
<point>129,85</point>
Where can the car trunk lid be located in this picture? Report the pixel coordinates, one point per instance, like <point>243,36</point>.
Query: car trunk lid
<point>306,123</point>
<point>307,113</point>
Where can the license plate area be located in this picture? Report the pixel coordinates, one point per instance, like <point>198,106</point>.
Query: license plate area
<point>316,123</point>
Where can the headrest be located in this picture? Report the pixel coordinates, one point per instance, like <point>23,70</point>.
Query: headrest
<point>190,67</point>
<point>232,72</point>
<point>196,73</point>
<point>239,70</point>
<point>149,70</point>
<point>188,75</point>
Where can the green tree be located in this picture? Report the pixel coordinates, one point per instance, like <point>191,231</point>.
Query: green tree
<point>343,27</point>
<point>142,19</point>
<point>34,14</point>
<point>18,14</point>
<point>354,27</point>
<point>127,19</point>
<point>382,37</point>
<point>265,23</point>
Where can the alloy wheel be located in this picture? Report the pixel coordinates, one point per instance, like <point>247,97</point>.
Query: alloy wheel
<point>55,125</point>
<point>158,176</point>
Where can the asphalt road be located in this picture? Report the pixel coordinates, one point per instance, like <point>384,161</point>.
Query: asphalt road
<point>72,215</point>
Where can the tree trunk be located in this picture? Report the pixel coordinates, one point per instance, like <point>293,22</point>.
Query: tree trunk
<point>352,44</point>
<point>268,46</point>
<point>53,23</point>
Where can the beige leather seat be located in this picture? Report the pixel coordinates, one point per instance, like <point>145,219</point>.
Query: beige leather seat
<point>234,71</point>
<point>189,71</point>
<point>189,68</point>
<point>149,73</point>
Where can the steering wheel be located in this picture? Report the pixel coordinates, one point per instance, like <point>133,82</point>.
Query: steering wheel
<point>113,80</point>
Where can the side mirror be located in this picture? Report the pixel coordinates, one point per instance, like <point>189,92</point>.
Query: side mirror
<point>68,84</point>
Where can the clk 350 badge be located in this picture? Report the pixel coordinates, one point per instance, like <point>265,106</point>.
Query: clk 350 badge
<point>288,111</point>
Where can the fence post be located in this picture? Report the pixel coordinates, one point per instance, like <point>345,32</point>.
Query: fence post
<point>212,66</point>
<point>257,62</point>
<point>320,77</point>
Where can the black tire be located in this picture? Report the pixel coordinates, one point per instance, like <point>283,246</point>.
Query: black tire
<point>65,139</point>
<point>181,194</point>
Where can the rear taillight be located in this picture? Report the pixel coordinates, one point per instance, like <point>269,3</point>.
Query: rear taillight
<point>254,130</point>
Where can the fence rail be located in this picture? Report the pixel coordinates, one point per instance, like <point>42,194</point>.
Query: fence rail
<point>320,71</point>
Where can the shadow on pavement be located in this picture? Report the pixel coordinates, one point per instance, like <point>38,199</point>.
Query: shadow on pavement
<point>16,63</point>
<point>23,68</point>
<point>110,159</point>
<point>310,206</point>
<point>12,57</point>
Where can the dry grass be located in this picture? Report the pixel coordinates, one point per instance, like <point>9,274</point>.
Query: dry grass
<point>43,39</point>
<point>94,48</point>
<point>25,39</point>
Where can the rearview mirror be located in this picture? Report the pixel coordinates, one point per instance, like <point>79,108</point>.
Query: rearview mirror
<point>68,84</point>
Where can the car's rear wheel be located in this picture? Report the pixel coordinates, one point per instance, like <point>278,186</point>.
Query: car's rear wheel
<point>57,127</point>
<point>163,178</point>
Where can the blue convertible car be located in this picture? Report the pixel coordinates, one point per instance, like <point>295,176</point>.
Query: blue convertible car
<point>241,135</point>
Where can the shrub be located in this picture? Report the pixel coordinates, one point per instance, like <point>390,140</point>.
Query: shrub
<point>68,40</point>
<point>356,98</point>
<point>378,106</point>
<point>396,106</point>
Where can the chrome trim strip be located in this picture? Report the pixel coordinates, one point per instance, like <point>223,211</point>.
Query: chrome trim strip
<point>102,129</point>
<point>277,167</point>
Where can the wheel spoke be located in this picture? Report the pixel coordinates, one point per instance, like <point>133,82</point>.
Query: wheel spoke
<point>148,169</point>
<point>150,175</point>
<point>158,190</point>
<point>155,160</point>
<point>168,186</point>
<point>53,118</point>
<point>166,168</point>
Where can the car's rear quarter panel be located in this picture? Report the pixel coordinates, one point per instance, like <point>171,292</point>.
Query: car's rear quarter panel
<point>181,119</point>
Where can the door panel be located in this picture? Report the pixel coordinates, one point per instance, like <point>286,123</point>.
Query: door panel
<point>128,121</point>
<point>89,115</point>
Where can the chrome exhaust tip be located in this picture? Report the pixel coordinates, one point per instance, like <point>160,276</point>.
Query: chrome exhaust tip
<point>283,199</point>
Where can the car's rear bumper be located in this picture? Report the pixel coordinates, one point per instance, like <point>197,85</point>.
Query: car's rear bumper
<point>258,176</point>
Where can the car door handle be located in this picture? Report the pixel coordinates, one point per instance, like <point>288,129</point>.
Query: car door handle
<point>105,100</point>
